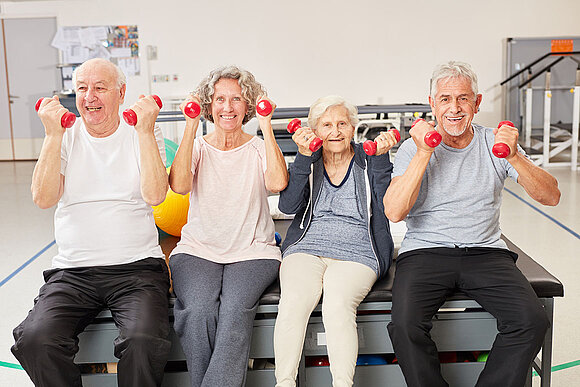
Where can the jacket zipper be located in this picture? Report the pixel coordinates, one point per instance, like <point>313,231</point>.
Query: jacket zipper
<point>369,214</point>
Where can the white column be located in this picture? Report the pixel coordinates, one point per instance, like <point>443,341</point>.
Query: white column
<point>528,118</point>
<point>547,111</point>
<point>575,124</point>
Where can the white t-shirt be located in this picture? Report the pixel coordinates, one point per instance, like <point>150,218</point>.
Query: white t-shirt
<point>229,217</point>
<point>101,218</point>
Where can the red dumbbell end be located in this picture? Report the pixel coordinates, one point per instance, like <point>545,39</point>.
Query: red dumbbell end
<point>130,117</point>
<point>68,120</point>
<point>37,106</point>
<point>396,133</point>
<point>370,147</point>
<point>264,107</point>
<point>433,138</point>
<point>158,100</point>
<point>501,150</point>
<point>508,123</point>
<point>294,125</point>
<point>192,109</point>
<point>415,122</point>
<point>315,144</point>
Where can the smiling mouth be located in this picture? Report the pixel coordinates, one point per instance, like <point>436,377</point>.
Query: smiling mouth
<point>228,117</point>
<point>93,109</point>
<point>454,119</point>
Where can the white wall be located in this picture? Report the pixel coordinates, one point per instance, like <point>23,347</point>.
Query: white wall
<point>370,51</point>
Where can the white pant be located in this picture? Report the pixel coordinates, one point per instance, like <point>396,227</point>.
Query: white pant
<point>303,277</point>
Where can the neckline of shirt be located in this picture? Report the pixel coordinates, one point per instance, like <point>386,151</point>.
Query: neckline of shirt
<point>251,141</point>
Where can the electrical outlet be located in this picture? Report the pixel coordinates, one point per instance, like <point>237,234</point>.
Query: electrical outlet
<point>152,52</point>
<point>158,78</point>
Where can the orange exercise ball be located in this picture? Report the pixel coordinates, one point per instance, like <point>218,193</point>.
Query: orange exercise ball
<point>171,215</point>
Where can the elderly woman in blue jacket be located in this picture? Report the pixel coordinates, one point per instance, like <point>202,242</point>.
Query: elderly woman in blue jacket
<point>339,242</point>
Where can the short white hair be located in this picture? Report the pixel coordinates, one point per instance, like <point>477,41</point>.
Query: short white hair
<point>453,69</point>
<point>121,78</point>
<point>321,105</point>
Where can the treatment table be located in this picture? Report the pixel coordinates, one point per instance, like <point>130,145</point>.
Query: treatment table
<point>462,330</point>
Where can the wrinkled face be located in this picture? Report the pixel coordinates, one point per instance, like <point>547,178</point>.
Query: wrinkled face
<point>454,105</point>
<point>228,107</point>
<point>98,96</point>
<point>335,129</point>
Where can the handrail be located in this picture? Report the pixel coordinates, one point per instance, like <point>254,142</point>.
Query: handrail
<point>547,68</point>
<point>535,62</point>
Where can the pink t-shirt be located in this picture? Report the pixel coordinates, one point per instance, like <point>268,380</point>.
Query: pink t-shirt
<point>229,218</point>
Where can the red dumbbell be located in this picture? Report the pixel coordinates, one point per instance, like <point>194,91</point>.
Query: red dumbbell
<point>66,121</point>
<point>192,109</point>
<point>264,107</point>
<point>296,124</point>
<point>432,138</point>
<point>501,149</point>
<point>130,116</point>
<point>370,147</point>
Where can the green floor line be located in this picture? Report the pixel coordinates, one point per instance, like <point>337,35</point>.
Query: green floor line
<point>10,365</point>
<point>562,366</point>
<point>554,368</point>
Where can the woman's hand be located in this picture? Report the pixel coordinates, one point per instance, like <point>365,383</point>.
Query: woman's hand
<point>303,137</point>
<point>385,141</point>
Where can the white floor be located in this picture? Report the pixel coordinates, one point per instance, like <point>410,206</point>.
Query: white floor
<point>26,231</point>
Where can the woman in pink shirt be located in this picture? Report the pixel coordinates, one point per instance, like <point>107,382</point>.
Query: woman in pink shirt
<point>227,255</point>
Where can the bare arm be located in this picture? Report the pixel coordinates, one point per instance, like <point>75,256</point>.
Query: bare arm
<point>276,176</point>
<point>404,190</point>
<point>154,182</point>
<point>539,184</point>
<point>180,175</point>
<point>47,182</point>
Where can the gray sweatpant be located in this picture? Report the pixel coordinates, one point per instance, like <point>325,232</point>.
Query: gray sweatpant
<point>214,313</point>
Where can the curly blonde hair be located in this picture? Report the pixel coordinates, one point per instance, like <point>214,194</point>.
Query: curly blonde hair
<point>251,89</point>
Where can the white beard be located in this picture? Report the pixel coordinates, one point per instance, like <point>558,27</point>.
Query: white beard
<point>455,133</point>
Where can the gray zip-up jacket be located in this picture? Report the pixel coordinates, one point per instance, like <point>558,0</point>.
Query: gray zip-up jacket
<point>306,174</point>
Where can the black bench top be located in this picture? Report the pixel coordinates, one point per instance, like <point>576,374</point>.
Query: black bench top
<point>544,284</point>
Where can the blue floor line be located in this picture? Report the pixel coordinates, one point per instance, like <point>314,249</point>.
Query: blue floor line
<point>27,263</point>
<point>546,215</point>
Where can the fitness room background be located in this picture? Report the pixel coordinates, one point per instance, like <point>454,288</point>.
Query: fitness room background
<point>372,52</point>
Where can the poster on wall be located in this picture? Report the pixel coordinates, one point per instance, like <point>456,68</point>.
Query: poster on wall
<point>120,44</point>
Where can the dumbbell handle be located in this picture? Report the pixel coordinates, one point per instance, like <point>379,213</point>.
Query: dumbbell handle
<point>66,121</point>
<point>370,147</point>
<point>432,138</point>
<point>192,109</point>
<point>501,149</point>
<point>130,116</point>
<point>296,124</point>
<point>264,107</point>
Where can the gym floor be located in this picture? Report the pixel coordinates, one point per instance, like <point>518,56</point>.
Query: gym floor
<point>550,235</point>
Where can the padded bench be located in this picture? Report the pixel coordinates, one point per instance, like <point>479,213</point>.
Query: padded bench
<point>461,327</point>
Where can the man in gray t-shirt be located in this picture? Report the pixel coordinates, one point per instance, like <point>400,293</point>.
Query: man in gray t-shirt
<point>450,196</point>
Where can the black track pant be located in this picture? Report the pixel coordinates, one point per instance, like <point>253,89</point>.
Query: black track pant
<point>136,294</point>
<point>423,280</point>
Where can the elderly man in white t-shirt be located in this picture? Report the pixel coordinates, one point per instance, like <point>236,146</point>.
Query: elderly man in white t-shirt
<point>105,176</point>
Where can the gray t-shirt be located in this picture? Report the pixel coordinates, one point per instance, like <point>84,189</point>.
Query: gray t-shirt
<point>339,223</point>
<point>460,196</point>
